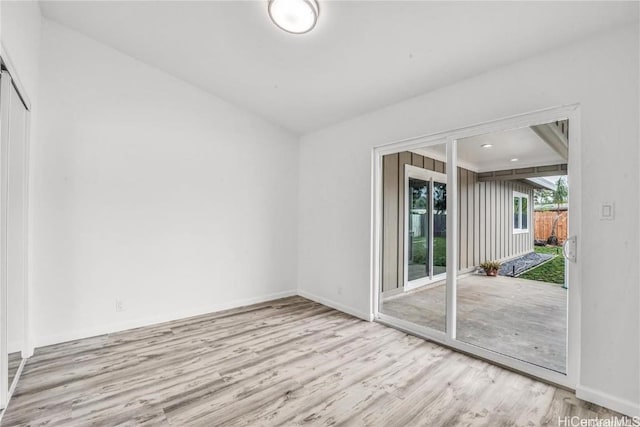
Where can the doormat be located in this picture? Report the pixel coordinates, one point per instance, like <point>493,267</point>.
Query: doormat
<point>518,265</point>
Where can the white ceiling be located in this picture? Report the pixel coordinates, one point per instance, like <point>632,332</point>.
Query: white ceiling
<point>362,55</point>
<point>522,144</point>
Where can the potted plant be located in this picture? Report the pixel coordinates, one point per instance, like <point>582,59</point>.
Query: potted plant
<point>491,267</point>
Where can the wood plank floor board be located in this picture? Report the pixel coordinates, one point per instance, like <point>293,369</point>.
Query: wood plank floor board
<point>15,359</point>
<point>112,343</point>
<point>431,385</point>
<point>326,384</point>
<point>135,355</point>
<point>304,368</point>
<point>249,370</point>
<point>286,362</point>
<point>175,359</point>
<point>348,394</point>
<point>244,363</point>
<point>394,381</point>
<point>157,340</point>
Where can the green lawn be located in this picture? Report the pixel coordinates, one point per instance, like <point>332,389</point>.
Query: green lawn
<point>439,251</point>
<point>551,271</point>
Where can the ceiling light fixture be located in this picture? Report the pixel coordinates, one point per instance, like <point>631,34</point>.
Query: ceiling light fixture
<point>487,145</point>
<point>294,16</point>
<point>515,159</point>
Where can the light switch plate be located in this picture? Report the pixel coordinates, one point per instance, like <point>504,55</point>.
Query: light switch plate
<point>607,211</point>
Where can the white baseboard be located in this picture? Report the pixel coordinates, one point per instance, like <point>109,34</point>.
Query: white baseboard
<point>153,320</point>
<point>329,303</point>
<point>623,406</point>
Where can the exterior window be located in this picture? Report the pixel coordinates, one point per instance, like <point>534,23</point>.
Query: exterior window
<point>520,212</point>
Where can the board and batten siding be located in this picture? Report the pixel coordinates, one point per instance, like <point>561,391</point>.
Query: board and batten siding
<point>485,223</point>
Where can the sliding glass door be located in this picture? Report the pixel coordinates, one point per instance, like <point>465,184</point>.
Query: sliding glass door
<point>426,230</point>
<point>463,254</point>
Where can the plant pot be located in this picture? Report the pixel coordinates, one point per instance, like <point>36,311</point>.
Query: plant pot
<point>492,273</point>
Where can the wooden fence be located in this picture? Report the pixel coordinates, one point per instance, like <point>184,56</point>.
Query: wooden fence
<point>544,222</point>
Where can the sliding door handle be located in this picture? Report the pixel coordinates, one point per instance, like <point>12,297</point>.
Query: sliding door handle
<point>570,249</point>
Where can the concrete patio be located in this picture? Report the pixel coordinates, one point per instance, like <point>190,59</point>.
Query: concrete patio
<point>520,318</point>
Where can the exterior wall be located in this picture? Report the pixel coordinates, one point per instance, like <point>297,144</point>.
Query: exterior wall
<point>485,223</point>
<point>492,236</point>
<point>393,213</point>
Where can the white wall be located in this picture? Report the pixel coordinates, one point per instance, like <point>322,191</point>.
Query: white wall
<point>149,190</point>
<point>601,74</point>
<point>20,23</point>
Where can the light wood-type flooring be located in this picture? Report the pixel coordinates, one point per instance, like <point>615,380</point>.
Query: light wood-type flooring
<point>524,319</point>
<point>14,363</point>
<point>286,362</point>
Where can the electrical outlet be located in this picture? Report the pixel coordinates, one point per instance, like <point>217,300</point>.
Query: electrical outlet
<point>119,305</point>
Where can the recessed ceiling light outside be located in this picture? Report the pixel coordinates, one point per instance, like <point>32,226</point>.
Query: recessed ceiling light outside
<point>294,16</point>
<point>515,159</point>
<point>487,145</point>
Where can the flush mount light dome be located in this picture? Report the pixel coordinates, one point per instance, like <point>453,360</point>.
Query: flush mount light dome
<point>294,16</point>
<point>487,145</point>
<point>515,159</point>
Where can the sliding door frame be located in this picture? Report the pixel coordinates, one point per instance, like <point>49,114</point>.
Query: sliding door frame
<point>570,379</point>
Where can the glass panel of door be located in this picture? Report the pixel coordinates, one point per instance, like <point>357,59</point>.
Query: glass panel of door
<point>520,311</point>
